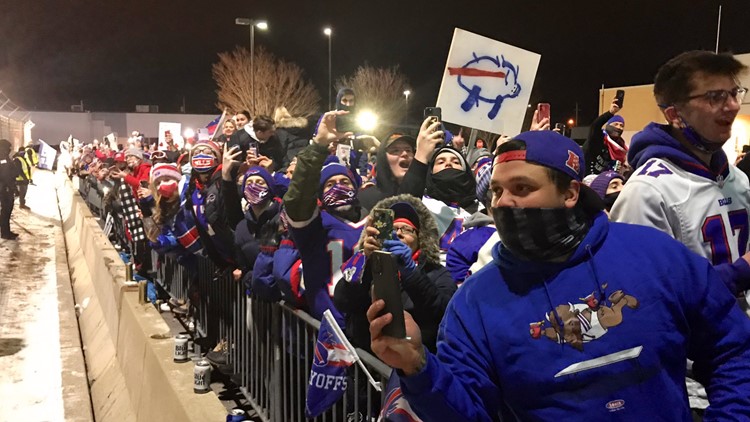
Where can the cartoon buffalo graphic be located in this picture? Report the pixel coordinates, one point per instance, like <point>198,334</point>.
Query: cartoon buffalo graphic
<point>580,323</point>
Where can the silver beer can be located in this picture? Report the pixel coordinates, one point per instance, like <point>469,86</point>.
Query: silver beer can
<point>202,377</point>
<point>181,348</point>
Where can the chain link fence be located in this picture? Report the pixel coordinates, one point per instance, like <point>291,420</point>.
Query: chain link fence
<point>12,121</point>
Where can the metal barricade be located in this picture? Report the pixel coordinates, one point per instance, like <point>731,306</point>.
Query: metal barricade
<point>271,345</point>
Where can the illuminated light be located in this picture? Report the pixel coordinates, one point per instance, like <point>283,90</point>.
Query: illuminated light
<point>262,25</point>
<point>367,121</point>
<point>571,122</point>
<point>188,133</point>
<point>328,31</point>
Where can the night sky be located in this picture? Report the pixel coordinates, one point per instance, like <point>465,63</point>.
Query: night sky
<point>113,55</point>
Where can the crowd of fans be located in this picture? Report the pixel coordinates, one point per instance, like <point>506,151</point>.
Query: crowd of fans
<point>273,201</point>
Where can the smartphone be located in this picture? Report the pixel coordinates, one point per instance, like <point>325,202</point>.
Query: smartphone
<point>619,97</point>
<point>436,113</point>
<point>386,286</point>
<point>382,219</point>
<point>143,183</point>
<point>252,150</point>
<point>542,112</point>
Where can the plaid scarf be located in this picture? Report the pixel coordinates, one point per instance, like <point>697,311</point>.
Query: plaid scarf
<point>130,211</point>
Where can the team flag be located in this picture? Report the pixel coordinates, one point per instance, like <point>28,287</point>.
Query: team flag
<point>395,407</point>
<point>333,354</point>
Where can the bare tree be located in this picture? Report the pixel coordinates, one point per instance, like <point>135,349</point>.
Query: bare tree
<point>277,83</point>
<point>381,91</point>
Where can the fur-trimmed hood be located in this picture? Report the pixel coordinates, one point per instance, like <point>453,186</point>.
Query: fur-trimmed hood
<point>429,244</point>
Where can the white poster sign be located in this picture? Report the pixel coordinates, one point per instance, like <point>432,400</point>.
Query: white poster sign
<point>47,156</point>
<point>487,84</point>
<point>174,128</point>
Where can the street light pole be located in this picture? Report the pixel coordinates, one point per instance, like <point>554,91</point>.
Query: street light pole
<point>406,96</point>
<point>329,32</point>
<point>252,23</point>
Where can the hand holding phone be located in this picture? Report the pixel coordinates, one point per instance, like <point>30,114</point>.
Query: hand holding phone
<point>543,112</point>
<point>435,114</point>
<point>385,286</point>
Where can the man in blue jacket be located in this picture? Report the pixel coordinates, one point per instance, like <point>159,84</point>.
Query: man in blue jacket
<point>576,317</point>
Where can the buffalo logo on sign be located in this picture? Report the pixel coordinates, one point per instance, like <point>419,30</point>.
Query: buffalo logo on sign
<point>471,78</point>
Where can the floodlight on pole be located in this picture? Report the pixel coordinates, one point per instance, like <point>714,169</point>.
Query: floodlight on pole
<point>329,33</point>
<point>262,25</point>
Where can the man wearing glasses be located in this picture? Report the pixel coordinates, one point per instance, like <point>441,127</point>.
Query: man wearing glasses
<point>683,183</point>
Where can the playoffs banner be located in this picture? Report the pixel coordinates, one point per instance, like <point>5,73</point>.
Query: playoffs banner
<point>333,354</point>
<point>487,84</point>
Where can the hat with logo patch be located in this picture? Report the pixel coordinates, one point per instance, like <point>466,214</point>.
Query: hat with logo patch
<point>550,149</point>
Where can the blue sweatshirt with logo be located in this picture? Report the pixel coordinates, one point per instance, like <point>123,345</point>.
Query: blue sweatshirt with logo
<point>604,335</point>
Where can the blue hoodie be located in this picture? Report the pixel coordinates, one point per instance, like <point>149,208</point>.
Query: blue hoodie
<point>656,141</point>
<point>656,304</point>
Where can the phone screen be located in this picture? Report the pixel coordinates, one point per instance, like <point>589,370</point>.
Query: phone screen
<point>543,110</point>
<point>382,219</point>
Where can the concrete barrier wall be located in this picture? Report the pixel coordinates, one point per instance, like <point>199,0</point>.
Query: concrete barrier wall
<point>131,373</point>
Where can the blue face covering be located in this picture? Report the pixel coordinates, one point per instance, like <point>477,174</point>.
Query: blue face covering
<point>255,193</point>
<point>697,140</point>
<point>339,195</point>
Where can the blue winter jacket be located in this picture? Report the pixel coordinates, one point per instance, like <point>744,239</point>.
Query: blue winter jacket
<point>634,304</point>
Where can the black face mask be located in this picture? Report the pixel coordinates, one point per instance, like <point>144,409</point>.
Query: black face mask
<point>609,200</point>
<point>540,234</point>
<point>452,186</point>
<point>613,132</point>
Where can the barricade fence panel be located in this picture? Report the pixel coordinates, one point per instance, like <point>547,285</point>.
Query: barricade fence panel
<point>270,345</point>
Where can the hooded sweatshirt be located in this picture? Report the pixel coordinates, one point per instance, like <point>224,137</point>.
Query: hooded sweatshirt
<point>622,353</point>
<point>705,208</point>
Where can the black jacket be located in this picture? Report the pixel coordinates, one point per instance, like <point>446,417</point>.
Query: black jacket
<point>595,152</point>
<point>425,292</point>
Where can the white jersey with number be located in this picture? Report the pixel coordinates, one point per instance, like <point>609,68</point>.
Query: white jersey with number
<point>710,217</point>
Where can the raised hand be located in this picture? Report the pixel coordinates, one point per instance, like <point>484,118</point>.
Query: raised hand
<point>428,140</point>
<point>406,354</point>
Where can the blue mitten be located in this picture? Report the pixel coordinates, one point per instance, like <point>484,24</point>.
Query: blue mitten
<point>403,253</point>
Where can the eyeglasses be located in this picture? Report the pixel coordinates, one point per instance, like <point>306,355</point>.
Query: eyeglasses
<point>399,151</point>
<point>719,97</point>
<point>405,230</point>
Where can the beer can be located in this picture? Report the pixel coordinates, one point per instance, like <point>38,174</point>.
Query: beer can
<point>202,377</point>
<point>236,415</point>
<point>128,272</point>
<point>181,348</point>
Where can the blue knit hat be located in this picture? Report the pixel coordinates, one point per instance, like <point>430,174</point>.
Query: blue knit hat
<point>614,119</point>
<point>599,185</point>
<point>332,167</point>
<point>263,173</point>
